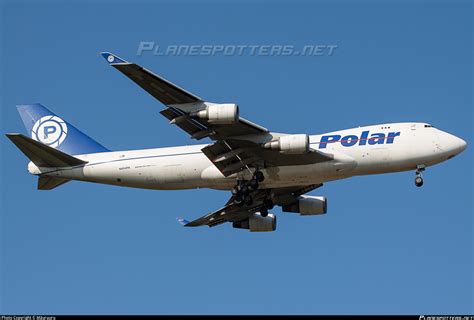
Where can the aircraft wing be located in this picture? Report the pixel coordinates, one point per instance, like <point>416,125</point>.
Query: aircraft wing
<point>232,212</point>
<point>178,102</point>
<point>238,144</point>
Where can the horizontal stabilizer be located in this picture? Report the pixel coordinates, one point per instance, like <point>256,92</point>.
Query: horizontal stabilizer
<point>48,183</point>
<point>43,155</point>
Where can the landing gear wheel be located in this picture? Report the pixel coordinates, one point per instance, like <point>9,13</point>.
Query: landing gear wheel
<point>264,212</point>
<point>419,178</point>
<point>244,190</point>
<point>418,181</point>
<point>239,200</point>
<point>259,176</point>
<point>253,185</point>
<point>248,200</point>
<point>235,191</point>
<point>268,204</point>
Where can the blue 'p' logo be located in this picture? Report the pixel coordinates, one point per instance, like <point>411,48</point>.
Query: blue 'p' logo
<point>48,130</point>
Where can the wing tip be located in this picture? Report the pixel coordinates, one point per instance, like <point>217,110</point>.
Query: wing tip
<point>182,221</point>
<point>112,58</point>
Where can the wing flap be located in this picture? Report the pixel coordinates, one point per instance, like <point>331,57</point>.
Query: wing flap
<point>191,126</point>
<point>231,156</point>
<point>210,219</point>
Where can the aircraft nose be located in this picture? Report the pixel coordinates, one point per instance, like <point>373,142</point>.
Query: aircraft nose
<point>462,144</point>
<point>452,144</point>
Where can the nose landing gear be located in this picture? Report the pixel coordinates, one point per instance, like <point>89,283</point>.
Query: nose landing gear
<point>419,177</point>
<point>418,181</point>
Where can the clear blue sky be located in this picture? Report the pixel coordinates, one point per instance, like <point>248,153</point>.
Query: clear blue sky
<point>385,246</point>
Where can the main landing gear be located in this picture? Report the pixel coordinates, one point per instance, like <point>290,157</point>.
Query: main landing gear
<point>419,177</point>
<point>267,205</point>
<point>243,188</point>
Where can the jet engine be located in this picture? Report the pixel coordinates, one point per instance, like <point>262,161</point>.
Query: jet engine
<point>257,223</point>
<point>226,113</point>
<point>293,143</point>
<point>307,206</point>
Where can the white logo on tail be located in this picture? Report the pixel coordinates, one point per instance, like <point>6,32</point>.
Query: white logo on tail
<point>50,130</point>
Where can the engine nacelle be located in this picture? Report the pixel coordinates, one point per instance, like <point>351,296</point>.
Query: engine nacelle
<point>225,113</point>
<point>293,143</point>
<point>257,223</point>
<point>308,206</point>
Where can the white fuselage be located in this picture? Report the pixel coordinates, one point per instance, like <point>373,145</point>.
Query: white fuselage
<point>354,152</point>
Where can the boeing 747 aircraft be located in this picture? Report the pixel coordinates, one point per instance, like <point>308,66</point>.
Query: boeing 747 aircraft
<point>261,168</point>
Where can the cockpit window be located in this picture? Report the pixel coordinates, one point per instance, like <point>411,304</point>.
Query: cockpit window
<point>428,126</point>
